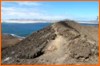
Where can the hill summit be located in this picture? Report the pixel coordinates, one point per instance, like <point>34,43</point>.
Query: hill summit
<point>64,42</point>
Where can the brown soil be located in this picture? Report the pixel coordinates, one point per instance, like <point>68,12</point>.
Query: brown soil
<point>9,40</point>
<point>65,42</point>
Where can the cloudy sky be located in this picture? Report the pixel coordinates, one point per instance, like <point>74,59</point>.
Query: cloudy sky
<point>50,10</point>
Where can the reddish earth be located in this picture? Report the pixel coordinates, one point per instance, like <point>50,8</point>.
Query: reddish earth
<point>9,40</point>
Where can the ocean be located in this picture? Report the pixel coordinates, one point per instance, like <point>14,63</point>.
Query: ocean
<point>26,29</point>
<point>22,29</point>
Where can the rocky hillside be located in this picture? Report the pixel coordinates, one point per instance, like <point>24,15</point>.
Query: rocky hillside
<point>64,42</point>
<point>9,40</point>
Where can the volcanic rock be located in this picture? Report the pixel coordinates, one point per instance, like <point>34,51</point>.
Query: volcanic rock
<point>64,42</point>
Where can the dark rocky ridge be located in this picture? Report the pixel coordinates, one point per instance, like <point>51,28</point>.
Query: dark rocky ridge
<point>65,42</point>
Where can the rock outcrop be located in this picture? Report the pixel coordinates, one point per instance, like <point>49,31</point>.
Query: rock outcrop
<point>65,42</point>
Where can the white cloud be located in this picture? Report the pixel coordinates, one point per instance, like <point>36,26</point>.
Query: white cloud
<point>13,12</point>
<point>30,11</point>
<point>19,13</point>
<point>7,8</point>
<point>29,3</point>
<point>9,12</point>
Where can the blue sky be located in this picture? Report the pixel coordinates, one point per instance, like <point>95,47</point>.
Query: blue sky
<point>50,10</point>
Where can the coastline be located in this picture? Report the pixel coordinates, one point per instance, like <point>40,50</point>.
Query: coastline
<point>10,40</point>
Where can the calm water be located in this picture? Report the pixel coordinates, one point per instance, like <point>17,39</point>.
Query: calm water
<point>22,29</point>
<point>26,29</point>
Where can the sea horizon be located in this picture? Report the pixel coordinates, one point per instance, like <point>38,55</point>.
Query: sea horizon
<point>25,29</point>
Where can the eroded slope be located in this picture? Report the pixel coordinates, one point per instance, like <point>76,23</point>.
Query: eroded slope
<point>65,42</point>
